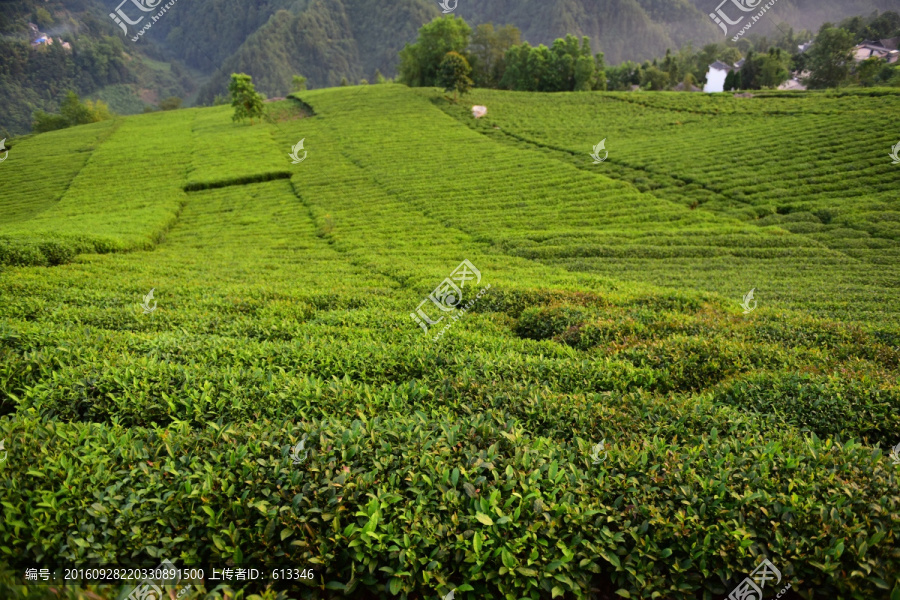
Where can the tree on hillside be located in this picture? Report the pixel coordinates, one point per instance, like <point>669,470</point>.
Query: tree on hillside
<point>72,112</point>
<point>453,74</point>
<point>170,103</point>
<point>623,76</point>
<point>733,81</point>
<point>565,67</point>
<point>487,53</point>
<point>830,57</point>
<point>298,83</point>
<point>43,19</point>
<point>247,102</point>
<point>653,78</point>
<point>419,62</point>
<point>773,68</point>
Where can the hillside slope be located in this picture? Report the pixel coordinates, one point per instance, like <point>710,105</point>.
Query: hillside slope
<point>140,428</point>
<point>329,39</point>
<point>325,40</point>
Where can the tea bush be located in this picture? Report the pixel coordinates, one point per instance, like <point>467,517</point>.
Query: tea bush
<point>282,296</point>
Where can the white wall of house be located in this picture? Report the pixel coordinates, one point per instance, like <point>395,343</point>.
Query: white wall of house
<point>715,81</point>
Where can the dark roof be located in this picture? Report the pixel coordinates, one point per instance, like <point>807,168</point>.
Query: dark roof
<point>891,43</point>
<point>720,66</point>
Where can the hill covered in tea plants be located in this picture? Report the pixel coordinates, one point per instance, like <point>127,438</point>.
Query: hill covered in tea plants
<point>281,314</point>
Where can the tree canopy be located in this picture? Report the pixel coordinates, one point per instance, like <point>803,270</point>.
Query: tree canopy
<point>247,102</point>
<point>420,62</point>
<point>453,74</point>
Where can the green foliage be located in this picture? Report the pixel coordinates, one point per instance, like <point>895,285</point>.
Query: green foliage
<point>44,122</point>
<point>453,74</point>
<point>420,62</point>
<point>298,83</point>
<point>655,79</point>
<point>764,70</point>
<point>487,53</point>
<point>830,58</point>
<point>72,112</point>
<point>733,80</point>
<point>247,102</point>
<point>42,18</point>
<point>283,314</point>
<point>565,67</point>
<point>171,103</point>
<point>799,205</point>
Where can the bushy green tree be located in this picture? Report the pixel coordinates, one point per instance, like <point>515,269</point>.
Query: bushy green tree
<point>44,121</point>
<point>830,57</point>
<point>732,81</point>
<point>655,79</point>
<point>171,103</point>
<point>565,67</point>
<point>868,70</point>
<point>487,53</point>
<point>773,68</point>
<point>379,78</point>
<point>585,74</point>
<point>623,76</point>
<point>453,74</point>
<point>298,83</point>
<point>42,18</point>
<point>72,111</point>
<point>419,62</point>
<point>247,102</point>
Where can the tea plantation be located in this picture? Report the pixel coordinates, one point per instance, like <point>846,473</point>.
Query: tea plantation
<point>466,460</point>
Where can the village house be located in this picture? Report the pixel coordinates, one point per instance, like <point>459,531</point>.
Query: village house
<point>718,71</point>
<point>883,49</point>
<point>42,39</point>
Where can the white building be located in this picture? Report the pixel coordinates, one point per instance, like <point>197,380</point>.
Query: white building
<point>715,78</point>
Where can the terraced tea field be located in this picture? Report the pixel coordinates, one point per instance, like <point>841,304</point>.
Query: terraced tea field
<point>469,461</point>
<point>812,165</point>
